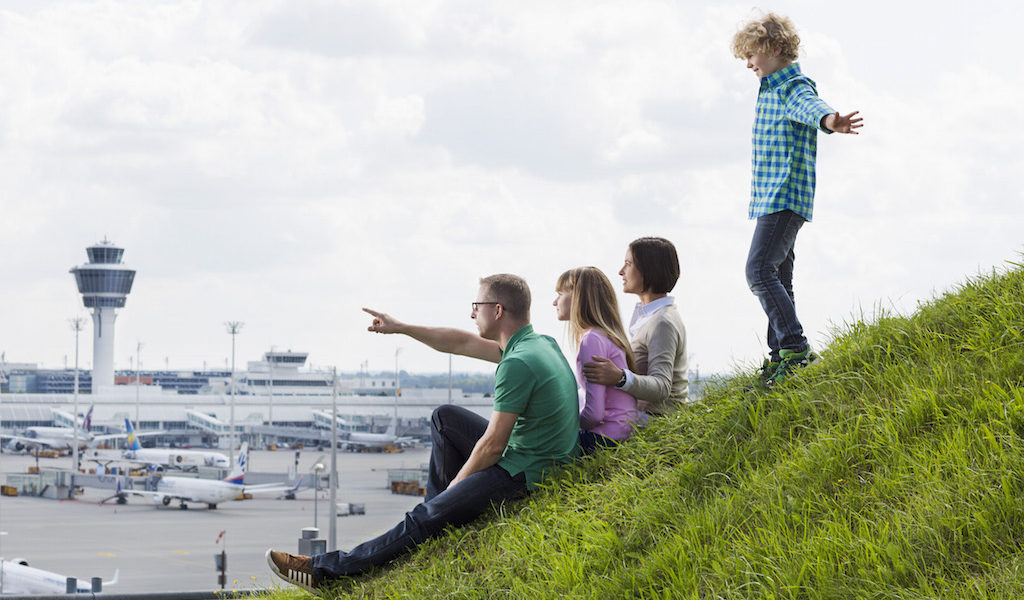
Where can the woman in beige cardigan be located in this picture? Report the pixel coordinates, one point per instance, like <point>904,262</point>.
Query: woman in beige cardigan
<point>657,335</point>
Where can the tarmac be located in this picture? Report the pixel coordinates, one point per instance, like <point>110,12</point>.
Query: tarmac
<point>167,549</point>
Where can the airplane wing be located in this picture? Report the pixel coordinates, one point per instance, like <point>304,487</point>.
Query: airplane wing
<point>34,441</point>
<point>96,439</point>
<point>164,497</point>
<point>368,443</point>
<point>114,436</point>
<point>130,462</point>
<point>272,488</point>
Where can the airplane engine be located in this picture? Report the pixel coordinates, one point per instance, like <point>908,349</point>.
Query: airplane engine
<point>178,459</point>
<point>20,561</point>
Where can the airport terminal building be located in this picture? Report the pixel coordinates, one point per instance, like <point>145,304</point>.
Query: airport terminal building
<point>275,401</point>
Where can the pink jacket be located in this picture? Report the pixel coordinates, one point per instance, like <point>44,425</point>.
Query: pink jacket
<point>606,410</point>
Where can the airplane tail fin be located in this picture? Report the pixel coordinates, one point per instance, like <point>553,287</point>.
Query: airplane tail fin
<point>133,442</point>
<point>237,474</point>
<point>392,427</point>
<point>88,419</point>
<point>114,580</point>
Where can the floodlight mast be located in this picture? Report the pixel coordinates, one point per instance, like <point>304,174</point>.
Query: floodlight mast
<point>77,324</point>
<point>138,381</point>
<point>233,328</point>
<point>398,387</point>
<point>332,539</point>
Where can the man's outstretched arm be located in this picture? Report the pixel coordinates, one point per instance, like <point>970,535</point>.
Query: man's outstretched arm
<point>442,339</point>
<point>490,447</point>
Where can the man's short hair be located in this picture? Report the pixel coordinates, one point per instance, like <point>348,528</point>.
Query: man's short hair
<point>765,35</point>
<point>658,263</point>
<point>511,292</point>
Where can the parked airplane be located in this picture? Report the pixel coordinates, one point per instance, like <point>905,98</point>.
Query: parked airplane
<point>373,440</point>
<point>16,577</point>
<point>165,457</point>
<point>210,492</point>
<point>62,438</point>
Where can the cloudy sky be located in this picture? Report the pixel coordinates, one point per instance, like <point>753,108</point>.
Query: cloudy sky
<point>286,163</point>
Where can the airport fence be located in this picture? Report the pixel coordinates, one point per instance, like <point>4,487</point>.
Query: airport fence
<point>210,595</point>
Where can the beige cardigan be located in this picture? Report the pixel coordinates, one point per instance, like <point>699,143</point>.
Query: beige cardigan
<point>659,348</point>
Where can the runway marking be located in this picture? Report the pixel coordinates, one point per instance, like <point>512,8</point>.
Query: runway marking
<point>181,552</point>
<point>106,554</point>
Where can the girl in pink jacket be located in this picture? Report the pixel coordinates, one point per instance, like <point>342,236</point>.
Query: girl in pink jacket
<point>586,299</point>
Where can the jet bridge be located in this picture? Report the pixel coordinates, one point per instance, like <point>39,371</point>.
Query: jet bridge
<point>206,422</point>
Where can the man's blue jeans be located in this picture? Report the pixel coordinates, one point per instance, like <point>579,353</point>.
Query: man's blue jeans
<point>454,432</point>
<point>770,277</point>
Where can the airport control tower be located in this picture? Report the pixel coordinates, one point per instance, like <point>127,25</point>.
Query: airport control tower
<point>104,284</point>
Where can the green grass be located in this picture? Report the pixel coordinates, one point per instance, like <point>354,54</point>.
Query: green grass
<point>892,468</point>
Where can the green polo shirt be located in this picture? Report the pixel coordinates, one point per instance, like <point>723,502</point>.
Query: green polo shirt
<point>535,381</point>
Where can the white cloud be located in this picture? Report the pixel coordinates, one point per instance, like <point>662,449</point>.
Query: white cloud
<point>285,164</point>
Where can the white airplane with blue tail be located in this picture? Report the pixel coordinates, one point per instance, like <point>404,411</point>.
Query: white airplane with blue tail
<point>210,492</point>
<point>163,457</point>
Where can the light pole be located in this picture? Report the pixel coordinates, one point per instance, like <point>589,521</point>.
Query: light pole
<point>317,469</point>
<point>332,540</point>
<point>77,324</point>
<point>270,396</point>
<point>138,377</point>
<point>233,328</point>
<point>397,387</point>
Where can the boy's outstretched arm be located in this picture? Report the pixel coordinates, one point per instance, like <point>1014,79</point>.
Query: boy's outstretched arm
<point>842,123</point>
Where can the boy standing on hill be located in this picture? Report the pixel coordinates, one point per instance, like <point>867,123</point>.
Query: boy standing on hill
<point>788,116</point>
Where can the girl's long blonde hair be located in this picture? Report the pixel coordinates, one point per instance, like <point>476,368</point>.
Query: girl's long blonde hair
<point>594,307</point>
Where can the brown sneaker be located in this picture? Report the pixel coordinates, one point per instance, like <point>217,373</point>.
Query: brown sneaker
<point>293,568</point>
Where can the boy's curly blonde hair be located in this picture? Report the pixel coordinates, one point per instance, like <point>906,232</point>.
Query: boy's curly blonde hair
<point>766,35</point>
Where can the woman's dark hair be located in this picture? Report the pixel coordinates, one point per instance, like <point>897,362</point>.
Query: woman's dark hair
<point>658,263</point>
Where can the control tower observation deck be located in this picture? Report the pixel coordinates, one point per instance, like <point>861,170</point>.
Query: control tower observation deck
<point>104,284</point>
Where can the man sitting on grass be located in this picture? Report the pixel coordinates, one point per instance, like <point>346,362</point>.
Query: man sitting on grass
<point>473,462</point>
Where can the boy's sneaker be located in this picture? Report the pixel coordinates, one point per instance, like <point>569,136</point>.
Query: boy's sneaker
<point>791,361</point>
<point>293,568</point>
<point>768,368</point>
<point>760,382</point>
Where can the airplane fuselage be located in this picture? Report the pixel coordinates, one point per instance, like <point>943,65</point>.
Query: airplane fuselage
<point>170,457</point>
<point>178,458</point>
<point>48,437</point>
<point>18,578</point>
<point>207,491</point>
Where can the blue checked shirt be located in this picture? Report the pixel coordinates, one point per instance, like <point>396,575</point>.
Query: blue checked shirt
<point>785,143</point>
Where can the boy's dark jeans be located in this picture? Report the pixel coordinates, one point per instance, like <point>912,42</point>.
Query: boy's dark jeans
<point>770,277</point>
<point>454,432</point>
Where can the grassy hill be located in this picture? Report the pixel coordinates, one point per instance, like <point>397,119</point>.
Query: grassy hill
<point>892,468</point>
